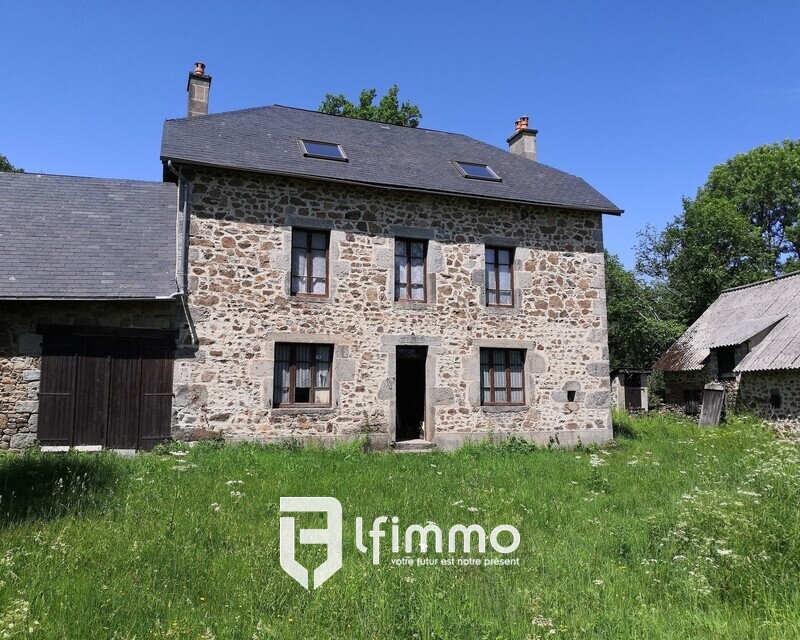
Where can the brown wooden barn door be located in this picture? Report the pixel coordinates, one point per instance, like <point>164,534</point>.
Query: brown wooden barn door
<point>156,394</point>
<point>92,391</point>
<point>107,390</point>
<point>125,390</point>
<point>57,390</point>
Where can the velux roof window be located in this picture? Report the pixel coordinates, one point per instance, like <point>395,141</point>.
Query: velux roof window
<point>324,150</point>
<point>477,171</point>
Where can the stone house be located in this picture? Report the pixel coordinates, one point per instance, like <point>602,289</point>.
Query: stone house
<point>322,277</point>
<point>748,340</point>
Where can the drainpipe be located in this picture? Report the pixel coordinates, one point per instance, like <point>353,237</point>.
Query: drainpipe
<point>183,272</point>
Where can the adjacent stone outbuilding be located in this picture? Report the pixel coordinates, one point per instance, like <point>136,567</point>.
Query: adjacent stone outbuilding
<point>89,315</point>
<point>748,340</point>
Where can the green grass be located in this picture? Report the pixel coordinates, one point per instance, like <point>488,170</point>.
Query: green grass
<point>672,532</point>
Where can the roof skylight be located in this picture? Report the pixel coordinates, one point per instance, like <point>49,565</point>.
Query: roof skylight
<point>477,171</point>
<point>324,150</point>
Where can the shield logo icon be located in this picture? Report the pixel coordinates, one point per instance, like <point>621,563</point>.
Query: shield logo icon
<point>331,537</point>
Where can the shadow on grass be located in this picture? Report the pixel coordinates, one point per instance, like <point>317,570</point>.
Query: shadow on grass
<point>37,486</point>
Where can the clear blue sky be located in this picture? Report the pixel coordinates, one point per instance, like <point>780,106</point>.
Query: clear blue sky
<point>639,98</point>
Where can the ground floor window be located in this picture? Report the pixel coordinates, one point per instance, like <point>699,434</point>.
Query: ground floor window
<point>692,400</point>
<point>502,377</point>
<point>302,374</point>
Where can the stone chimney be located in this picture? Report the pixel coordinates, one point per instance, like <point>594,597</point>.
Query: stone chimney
<point>198,87</point>
<point>523,142</point>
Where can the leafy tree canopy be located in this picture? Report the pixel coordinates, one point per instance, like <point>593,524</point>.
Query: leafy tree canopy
<point>5,165</point>
<point>639,324</point>
<point>388,110</point>
<point>743,226</point>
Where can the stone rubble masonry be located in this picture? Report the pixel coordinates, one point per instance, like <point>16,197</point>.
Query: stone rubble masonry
<point>241,305</point>
<point>750,390</point>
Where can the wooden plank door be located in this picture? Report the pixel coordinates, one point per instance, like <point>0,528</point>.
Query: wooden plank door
<point>156,394</point>
<point>125,394</point>
<point>113,391</point>
<point>57,390</point>
<point>92,390</point>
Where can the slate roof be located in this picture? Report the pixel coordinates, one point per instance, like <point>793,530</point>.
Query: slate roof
<point>265,140</point>
<point>63,237</point>
<point>737,316</point>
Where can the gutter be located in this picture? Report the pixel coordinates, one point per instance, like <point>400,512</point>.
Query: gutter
<point>183,265</point>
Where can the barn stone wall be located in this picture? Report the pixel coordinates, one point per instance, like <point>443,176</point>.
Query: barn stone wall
<point>758,390</point>
<point>241,305</point>
<point>21,350</point>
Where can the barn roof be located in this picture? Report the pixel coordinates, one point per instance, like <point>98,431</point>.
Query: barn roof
<point>771,307</point>
<point>267,140</point>
<point>64,237</point>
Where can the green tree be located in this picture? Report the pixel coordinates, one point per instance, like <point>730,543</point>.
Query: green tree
<point>5,165</point>
<point>388,110</point>
<point>640,327</point>
<point>741,227</point>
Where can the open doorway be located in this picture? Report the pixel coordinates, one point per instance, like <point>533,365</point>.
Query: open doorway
<point>410,392</point>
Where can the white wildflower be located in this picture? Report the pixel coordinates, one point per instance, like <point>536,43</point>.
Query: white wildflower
<point>598,583</point>
<point>540,621</point>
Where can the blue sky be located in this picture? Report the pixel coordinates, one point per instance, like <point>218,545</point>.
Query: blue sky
<point>639,98</point>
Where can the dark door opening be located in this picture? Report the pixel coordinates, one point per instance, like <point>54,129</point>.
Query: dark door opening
<point>410,392</point>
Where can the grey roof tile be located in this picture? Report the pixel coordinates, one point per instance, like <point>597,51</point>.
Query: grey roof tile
<point>737,316</point>
<point>70,237</point>
<point>265,139</point>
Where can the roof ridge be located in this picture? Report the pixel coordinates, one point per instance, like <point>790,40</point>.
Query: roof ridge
<point>760,282</point>
<point>40,174</point>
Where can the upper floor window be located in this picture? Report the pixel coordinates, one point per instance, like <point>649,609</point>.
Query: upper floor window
<point>302,374</point>
<point>324,150</point>
<point>477,171</point>
<point>502,377</point>
<point>499,277</point>
<point>726,360</point>
<point>309,262</point>
<point>409,269</point>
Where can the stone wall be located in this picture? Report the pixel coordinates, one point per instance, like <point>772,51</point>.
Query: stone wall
<point>758,388</point>
<point>241,305</point>
<point>21,350</point>
<point>677,382</point>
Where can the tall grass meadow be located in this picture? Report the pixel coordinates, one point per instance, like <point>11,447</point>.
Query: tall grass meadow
<point>670,531</point>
